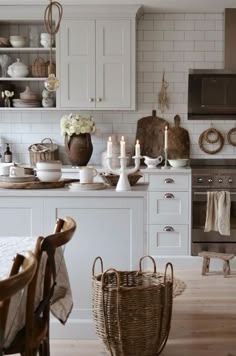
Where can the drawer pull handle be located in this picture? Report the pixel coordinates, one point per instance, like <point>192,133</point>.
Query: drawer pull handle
<point>169,180</point>
<point>168,228</point>
<point>169,196</point>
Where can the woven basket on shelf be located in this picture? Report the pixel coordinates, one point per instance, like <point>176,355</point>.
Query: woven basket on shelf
<point>132,309</point>
<point>40,68</point>
<point>112,179</point>
<point>43,151</point>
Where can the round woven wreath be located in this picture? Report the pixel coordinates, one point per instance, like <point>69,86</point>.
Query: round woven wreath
<point>209,133</point>
<point>229,136</point>
<point>204,138</point>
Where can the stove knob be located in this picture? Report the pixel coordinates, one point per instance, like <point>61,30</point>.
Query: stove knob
<point>230,180</point>
<point>220,180</point>
<point>210,180</point>
<point>200,180</point>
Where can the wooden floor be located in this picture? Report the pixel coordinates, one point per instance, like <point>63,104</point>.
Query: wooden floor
<point>203,321</point>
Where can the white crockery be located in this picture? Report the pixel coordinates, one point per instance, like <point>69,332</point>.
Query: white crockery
<point>49,165</point>
<point>18,69</point>
<point>18,41</point>
<point>152,162</point>
<point>86,174</point>
<point>49,176</point>
<point>181,162</point>
<point>16,171</point>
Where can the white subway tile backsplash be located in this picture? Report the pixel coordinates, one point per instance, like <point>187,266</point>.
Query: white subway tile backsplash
<point>170,42</point>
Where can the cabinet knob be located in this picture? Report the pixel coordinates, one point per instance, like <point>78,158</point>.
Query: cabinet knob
<point>169,196</point>
<point>99,99</point>
<point>91,99</point>
<point>169,180</point>
<point>168,228</point>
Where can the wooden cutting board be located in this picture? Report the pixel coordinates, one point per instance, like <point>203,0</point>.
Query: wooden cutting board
<point>150,133</point>
<point>37,184</point>
<point>178,141</point>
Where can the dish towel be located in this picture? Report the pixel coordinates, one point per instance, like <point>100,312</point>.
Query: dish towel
<point>218,212</point>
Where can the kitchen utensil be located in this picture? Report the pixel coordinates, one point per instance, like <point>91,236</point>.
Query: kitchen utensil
<point>178,162</point>
<point>18,41</point>
<point>150,133</point>
<point>178,141</point>
<point>152,162</point>
<point>18,69</point>
<point>86,174</point>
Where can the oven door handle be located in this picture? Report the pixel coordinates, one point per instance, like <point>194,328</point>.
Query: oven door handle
<point>205,193</point>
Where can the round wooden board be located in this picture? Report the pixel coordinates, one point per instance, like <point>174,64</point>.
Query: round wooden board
<point>37,184</point>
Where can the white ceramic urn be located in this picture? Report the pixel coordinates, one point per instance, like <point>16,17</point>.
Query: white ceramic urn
<point>18,69</point>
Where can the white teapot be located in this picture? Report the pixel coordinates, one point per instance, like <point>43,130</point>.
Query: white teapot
<point>18,69</point>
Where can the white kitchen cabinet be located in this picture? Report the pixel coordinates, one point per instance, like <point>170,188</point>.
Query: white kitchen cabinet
<point>110,224</point>
<point>97,60</point>
<point>169,212</point>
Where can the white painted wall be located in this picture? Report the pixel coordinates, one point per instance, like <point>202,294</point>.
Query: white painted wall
<point>174,42</point>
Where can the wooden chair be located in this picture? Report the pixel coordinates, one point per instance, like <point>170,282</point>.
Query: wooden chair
<point>21,274</point>
<point>34,337</point>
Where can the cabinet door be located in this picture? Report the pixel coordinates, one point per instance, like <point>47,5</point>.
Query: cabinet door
<point>168,240</point>
<point>112,228</point>
<point>168,208</point>
<point>77,63</point>
<point>113,64</point>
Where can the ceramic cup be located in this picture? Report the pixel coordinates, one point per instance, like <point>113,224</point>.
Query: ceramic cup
<point>16,171</point>
<point>86,174</point>
<point>5,169</point>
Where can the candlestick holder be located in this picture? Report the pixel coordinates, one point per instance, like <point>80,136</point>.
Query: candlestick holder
<point>123,182</point>
<point>166,158</point>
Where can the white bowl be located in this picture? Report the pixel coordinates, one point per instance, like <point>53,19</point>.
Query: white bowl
<point>181,162</point>
<point>48,165</point>
<point>18,41</point>
<point>49,176</point>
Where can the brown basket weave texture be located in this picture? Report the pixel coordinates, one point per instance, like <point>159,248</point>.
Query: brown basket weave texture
<point>132,310</point>
<point>112,179</point>
<point>51,152</point>
<point>40,68</point>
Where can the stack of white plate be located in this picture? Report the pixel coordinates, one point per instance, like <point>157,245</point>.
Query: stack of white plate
<point>26,103</point>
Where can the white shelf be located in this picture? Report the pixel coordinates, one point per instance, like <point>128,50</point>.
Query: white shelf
<point>25,49</point>
<point>25,79</point>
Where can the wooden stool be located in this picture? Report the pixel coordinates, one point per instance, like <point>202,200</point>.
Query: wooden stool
<point>226,257</point>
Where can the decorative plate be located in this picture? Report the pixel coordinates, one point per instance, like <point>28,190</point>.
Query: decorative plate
<point>86,186</point>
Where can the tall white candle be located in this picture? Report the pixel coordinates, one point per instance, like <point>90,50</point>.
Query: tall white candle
<point>166,137</point>
<point>109,147</point>
<point>122,147</point>
<point>137,149</point>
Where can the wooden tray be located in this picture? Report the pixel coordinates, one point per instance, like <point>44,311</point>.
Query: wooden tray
<point>37,184</point>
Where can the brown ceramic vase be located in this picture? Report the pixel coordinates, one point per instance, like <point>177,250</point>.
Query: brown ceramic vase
<point>79,149</point>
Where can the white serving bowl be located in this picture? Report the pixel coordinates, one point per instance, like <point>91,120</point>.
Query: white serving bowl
<point>49,176</point>
<point>48,165</point>
<point>18,41</point>
<point>181,162</point>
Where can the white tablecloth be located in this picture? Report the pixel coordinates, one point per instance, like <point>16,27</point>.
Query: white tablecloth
<point>62,302</point>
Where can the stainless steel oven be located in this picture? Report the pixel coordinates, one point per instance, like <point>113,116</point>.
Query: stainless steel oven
<point>206,177</point>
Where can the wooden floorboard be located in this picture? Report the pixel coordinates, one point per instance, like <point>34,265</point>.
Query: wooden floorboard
<point>203,320</point>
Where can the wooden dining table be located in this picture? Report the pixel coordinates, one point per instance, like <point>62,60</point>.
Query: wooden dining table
<point>61,303</point>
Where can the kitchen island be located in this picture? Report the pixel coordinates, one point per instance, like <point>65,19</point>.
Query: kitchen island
<point>110,224</point>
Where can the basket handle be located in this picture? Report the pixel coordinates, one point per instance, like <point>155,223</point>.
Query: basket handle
<point>171,274</point>
<point>116,274</point>
<point>154,263</point>
<point>47,138</point>
<point>94,264</point>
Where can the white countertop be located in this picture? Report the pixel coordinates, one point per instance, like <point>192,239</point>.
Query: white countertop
<point>140,189</point>
<point>187,169</point>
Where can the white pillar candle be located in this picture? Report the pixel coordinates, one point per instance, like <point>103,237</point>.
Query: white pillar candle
<point>109,147</point>
<point>166,137</point>
<point>122,147</point>
<point>137,149</point>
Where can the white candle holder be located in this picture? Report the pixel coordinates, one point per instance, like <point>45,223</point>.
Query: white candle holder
<point>166,159</point>
<point>123,182</point>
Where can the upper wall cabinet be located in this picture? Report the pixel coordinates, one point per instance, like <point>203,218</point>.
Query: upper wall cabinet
<point>97,61</point>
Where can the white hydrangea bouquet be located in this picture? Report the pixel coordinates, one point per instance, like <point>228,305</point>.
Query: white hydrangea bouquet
<point>76,124</point>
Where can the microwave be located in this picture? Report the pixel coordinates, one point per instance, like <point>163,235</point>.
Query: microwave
<point>211,95</point>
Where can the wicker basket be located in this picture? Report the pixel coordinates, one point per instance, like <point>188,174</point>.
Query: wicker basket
<point>43,151</point>
<point>112,179</point>
<point>40,68</point>
<point>132,309</point>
